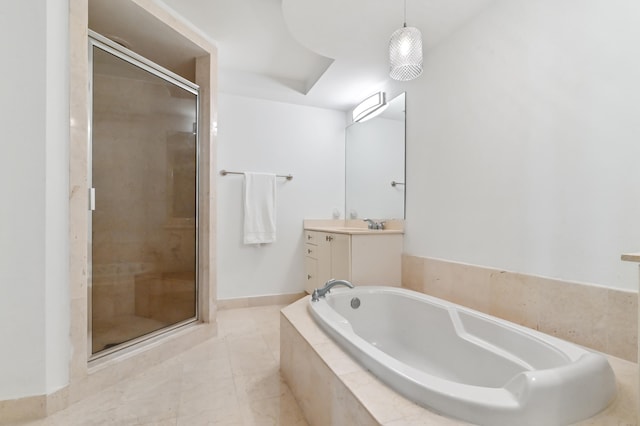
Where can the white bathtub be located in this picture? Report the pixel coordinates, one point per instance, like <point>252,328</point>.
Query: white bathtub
<point>463,363</point>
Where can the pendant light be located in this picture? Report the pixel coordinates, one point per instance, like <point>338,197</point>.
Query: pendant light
<point>405,52</point>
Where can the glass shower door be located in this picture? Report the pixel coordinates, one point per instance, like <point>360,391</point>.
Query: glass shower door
<point>144,200</point>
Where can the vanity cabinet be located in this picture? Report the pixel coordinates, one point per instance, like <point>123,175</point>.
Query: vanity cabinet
<point>326,257</point>
<point>372,258</point>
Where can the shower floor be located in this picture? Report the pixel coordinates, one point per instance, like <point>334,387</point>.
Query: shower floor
<point>107,333</point>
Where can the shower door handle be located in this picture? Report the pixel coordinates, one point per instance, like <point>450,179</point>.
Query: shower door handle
<point>92,199</point>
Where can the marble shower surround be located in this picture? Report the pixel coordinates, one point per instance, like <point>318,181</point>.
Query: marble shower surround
<point>85,379</point>
<point>600,318</point>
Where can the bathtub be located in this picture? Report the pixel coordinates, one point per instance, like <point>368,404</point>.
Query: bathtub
<point>465,364</point>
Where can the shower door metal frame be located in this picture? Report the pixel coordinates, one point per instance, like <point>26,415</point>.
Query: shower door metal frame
<point>121,52</point>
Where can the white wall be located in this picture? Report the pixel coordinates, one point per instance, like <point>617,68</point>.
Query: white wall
<point>265,136</point>
<point>523,142</point>
<point>34,298</point>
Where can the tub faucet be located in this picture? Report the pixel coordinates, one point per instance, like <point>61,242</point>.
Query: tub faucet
<point>320,292</point>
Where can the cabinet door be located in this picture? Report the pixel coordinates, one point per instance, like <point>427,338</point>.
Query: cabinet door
<point>323,254</point>
<point>311,269</point>
<point>340,256</point>
<point>376,259</point>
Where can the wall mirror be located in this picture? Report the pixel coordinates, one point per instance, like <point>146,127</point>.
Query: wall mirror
<point>375,165</point>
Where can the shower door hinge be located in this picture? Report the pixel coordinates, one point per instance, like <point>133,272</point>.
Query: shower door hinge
<point>92,199</point>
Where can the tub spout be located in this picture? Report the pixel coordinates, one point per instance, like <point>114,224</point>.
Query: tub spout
<point>320,292</point>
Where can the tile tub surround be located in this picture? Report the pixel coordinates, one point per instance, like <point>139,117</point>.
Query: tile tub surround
<point>600,318</point>
<point>331,387</point>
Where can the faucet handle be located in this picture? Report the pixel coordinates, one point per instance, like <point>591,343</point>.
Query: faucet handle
<point>381,224</point>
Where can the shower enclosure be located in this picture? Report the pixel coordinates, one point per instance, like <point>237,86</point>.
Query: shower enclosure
<point>143,157</point>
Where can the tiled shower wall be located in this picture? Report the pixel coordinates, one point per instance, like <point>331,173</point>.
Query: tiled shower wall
<point>133,229</point>
<point>132,222</point>
<point>600,318</point>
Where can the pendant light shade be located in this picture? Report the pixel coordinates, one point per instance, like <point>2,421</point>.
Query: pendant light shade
<point>405,52</point>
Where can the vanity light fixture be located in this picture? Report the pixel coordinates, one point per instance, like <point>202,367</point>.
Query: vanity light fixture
<point>405,52</point>
<point>370,107</point>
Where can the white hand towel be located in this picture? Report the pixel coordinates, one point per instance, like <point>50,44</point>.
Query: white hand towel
<point>259,208</point>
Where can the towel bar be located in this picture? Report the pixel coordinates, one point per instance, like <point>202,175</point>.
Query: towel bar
<point>225,172</point>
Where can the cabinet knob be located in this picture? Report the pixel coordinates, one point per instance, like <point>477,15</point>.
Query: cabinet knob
<point>308,277</point>
<point>308,236</point>
<point>309,251</point>
<point>328,238</point>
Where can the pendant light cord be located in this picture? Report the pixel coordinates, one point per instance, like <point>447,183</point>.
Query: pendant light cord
<point>405,13</point>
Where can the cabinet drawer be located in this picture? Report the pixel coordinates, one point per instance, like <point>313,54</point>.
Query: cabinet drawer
<point>311,237</point>
<point>311,250</point>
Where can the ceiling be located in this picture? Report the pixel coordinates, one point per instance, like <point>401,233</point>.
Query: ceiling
<point>326,53</point>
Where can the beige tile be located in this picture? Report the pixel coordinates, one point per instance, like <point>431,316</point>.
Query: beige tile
<point>599,318</point>
<point>100,408</point>
<point>622,324</point>
<point>306,375</point>
<point>23,408</point>
<point>232,304</point>
<point>514,297</point>
<point>273,341</point>
<point>58,400</point>
<point>267,384</point>
<point>266,318</point>
<point>438,278</point>
<point>236,322</point>
<point>269,301</point>
<point>309,330</point>
<point>287,341</point>
<point>431,419</point>
<point>250,355</point>
<point>470,286</point>
<point>574,312</point>
<point>78,340</point>
<point>384,403</point>
<point>338,361</point>
<point>278,410</point>
<point>347,409</point>
<point>413,272</point>
<point>209,400</point>
<point>317,381</point>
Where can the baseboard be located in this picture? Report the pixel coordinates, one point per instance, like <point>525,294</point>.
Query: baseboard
<point>249,302</point>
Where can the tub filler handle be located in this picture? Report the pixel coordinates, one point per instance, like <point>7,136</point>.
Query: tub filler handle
<point>321,292</point>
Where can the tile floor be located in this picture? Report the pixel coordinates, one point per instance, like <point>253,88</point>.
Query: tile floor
<point>232,379</point>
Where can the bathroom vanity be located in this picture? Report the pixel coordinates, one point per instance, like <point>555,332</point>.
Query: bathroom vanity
<point>351,251</point>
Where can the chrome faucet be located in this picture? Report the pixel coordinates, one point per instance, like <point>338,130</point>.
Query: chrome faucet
<point>320,292</point>
<point>374,225</point>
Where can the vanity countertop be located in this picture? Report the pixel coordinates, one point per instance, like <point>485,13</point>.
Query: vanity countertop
<point>352,227</point>
<point>631,257</point>
<point>354,230</point>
